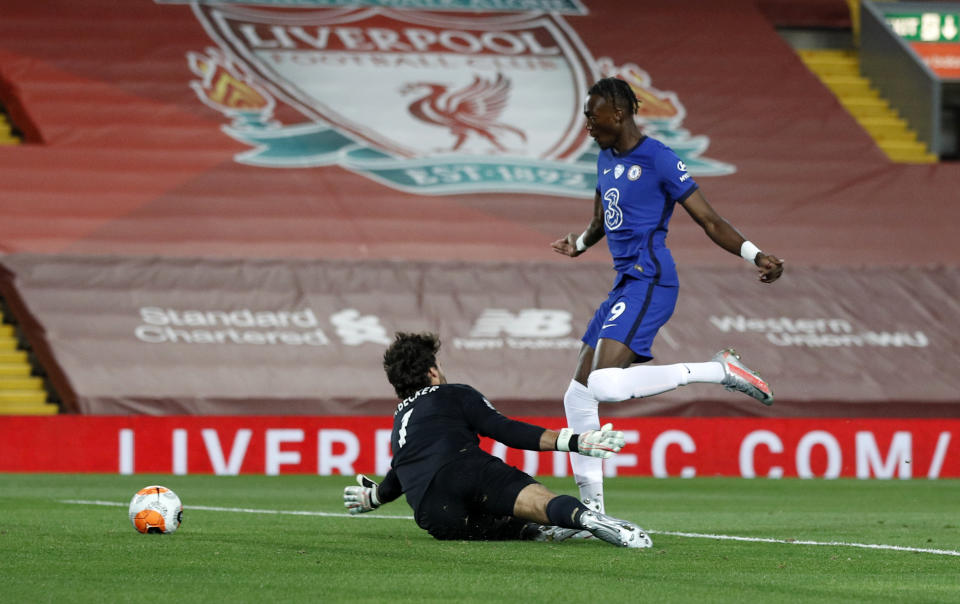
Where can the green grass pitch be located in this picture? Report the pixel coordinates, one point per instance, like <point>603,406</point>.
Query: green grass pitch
<point>51,551</point>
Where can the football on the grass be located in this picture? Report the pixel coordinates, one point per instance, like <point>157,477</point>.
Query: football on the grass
<point>155,509</point>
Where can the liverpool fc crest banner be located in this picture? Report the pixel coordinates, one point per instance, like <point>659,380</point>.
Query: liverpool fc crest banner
<point>426,102</point>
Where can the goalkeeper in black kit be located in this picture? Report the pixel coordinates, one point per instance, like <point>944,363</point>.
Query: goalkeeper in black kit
<point>459,491</point>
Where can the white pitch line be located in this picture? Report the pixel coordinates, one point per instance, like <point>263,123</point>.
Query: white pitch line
<point>897,548</point>
<point>207,508</point>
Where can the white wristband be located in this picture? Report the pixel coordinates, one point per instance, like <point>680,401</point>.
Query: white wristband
<point>581,243</point>
<point>563,441</point>
<point>749,252</point>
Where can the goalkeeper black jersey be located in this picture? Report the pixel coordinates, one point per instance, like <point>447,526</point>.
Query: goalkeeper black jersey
<point>433,427</point>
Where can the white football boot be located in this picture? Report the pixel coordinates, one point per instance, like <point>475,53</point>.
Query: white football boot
<point>737,376</point>
<point>613,530</point>
<point>553,533</point>
<point>558,533</point>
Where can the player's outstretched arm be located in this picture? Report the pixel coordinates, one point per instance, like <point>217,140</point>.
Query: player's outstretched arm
<point>572,244</point>
<point>723,234</point>
<point>602,443</point>
<point>520,435</point>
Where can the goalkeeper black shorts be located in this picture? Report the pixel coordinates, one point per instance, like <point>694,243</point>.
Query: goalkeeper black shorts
<point>472,498</point>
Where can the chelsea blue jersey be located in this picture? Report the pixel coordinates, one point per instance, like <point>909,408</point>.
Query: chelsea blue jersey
<point>638,191</point>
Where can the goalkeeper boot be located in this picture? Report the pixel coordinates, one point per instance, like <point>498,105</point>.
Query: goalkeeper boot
<point>559,533</point>
<point>562,534</point>
<point>739,377</point>
<point>613,530</point>
<point>553,533</point>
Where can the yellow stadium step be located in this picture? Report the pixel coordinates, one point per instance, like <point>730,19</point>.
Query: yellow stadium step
<point>839,70</point>
<point>908,152</point>
<point>7,134</point>
<point>28,409</point>
<point>832,62</point>
<point>849,86</point>
<point>826,54</point>
<point>8,383</point>
<point>888,128</point>
<point>23,397</point>
<point>866,106</point>
<point>14,356</point>
<point>14,369</point>
<point>20,392</point>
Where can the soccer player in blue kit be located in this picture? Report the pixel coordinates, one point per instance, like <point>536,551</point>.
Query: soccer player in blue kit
<point>640,180</point>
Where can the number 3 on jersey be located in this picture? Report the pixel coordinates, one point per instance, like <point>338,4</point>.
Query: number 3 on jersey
<point>402,432</point>
<point>613,215</point>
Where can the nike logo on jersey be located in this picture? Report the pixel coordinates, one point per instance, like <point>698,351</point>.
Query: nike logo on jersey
<point>607,170</point>
<point>609,325</point>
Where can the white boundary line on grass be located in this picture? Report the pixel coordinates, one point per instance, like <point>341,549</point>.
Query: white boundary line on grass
<point>897,548</point>
<point>207,508</point>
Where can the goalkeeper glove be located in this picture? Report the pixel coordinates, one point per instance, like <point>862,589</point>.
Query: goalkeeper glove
<point>602,443</point>
<point>363,498</point>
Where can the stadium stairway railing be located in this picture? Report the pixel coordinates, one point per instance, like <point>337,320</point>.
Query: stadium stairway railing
<point>839,70</point>
<point>21,393</point>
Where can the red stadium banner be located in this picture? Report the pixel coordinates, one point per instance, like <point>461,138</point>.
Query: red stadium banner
<point>327,445</point>
<point>272,337</point>
<point>942,57</point>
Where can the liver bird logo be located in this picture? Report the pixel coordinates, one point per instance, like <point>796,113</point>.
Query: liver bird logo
<point>473,109</point>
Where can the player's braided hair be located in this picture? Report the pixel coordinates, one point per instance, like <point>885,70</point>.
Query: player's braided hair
<point>408,360</point>
<point>617,92</point>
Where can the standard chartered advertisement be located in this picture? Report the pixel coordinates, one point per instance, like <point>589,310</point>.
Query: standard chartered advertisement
<point>244,326</point>
<point>307,337</point>
<point>257,327</point>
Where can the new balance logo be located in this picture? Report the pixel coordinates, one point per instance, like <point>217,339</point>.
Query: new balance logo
<point>528,323</point>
